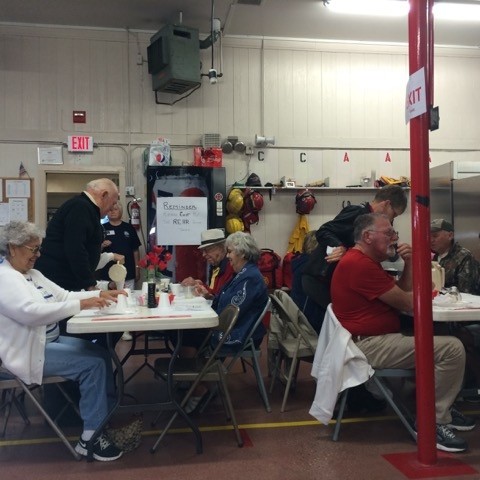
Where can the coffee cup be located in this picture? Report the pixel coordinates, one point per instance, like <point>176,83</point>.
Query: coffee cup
<point>121,304</point>
<point>164,300</point>
<point>176,288</point>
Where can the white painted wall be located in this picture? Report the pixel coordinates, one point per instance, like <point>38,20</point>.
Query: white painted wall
<point>318,98</point>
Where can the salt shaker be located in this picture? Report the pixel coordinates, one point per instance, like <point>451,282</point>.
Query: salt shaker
<point>455,294</point>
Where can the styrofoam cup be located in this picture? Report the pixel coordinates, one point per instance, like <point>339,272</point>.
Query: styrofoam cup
<point>121,304</point>
<point>176,288</point>
<point>164,300</point>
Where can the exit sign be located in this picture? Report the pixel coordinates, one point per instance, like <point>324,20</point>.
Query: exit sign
<point>80,143</point>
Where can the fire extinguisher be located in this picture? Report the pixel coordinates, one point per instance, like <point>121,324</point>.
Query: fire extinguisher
<point>133,208</point>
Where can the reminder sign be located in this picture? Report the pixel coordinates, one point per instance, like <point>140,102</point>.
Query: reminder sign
<point>181,220</point>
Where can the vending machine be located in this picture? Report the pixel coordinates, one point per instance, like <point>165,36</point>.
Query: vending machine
<point>186,181</point>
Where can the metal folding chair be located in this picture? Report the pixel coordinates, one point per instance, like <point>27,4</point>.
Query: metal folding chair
<point>249,355</point>
<point>9,383</point>
<point>295,338</point>
<point>381,377</point>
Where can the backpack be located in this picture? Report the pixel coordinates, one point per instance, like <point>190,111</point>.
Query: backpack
<point>269,265</point>
<point>287,272</point>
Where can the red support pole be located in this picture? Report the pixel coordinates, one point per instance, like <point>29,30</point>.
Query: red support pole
<point>420,23</point>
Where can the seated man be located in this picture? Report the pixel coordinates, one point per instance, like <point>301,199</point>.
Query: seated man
<point>220,270</point>
<point>461,271</point>
<point>461,268</point>
<point>367,302</point>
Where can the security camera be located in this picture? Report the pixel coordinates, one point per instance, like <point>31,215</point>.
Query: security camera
<point>212,75</point>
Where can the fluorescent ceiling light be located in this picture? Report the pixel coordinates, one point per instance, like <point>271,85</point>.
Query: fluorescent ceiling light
<point>399,8</point>
<point>380,8</point>
<point>456,11</point>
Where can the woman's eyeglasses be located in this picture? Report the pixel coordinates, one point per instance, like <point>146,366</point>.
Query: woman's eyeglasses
<point>34,250</point>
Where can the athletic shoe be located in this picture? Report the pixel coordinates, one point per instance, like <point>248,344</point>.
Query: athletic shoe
<point>460,421</point>
<point>127,336</point>
<point>103,449</point>
<point>448,442</point>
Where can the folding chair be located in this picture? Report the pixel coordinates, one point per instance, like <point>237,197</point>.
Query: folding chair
<point>340,365</point>
<point>296,340</point>
<point>204,367</point>
<point>249,355</point>
<point>380,378</point>
<point>10,383</point>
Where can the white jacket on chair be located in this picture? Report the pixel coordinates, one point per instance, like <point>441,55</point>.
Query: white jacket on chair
<point>338,364</point>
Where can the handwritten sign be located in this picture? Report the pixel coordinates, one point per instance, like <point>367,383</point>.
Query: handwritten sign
<point>415,98</point>
<point>181,220</point>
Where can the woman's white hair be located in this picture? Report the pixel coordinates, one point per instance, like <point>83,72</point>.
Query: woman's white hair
<point>243,244</point>
<point>18,233</point>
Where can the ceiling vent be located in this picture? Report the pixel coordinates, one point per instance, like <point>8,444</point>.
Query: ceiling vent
<point>249,2</point>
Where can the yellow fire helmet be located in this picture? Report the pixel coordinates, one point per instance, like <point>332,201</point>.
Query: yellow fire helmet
<point>233,224</point>
<point>235,201</point>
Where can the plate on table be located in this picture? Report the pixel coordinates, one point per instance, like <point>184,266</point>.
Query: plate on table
<point>190,304</point>
<point>112,310</point>
<point>461,305</point>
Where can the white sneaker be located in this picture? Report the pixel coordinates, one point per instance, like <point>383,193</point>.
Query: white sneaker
<point>127,336</point>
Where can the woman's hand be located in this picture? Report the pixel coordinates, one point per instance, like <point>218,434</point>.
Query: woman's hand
<point>93,302</point>
<point>111,295</point>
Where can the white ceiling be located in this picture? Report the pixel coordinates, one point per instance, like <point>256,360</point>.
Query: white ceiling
<point>272,18</point>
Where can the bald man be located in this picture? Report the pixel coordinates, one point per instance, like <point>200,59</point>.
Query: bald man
<point>72,246</point>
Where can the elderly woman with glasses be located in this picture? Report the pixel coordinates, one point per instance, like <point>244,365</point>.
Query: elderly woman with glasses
<point>30,344</point>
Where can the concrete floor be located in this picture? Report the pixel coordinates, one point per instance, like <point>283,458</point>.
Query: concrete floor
<point>290,445</point>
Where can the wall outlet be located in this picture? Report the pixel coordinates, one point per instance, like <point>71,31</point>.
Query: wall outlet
<point>130,191</point>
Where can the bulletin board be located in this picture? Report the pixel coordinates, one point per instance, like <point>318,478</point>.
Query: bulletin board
<point>16,200</point>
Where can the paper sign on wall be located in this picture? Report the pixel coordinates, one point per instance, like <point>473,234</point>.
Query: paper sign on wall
<point>415,98</point>
<point>181,220</point>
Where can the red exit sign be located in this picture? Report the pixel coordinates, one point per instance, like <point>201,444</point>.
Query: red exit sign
<point>80,143</point>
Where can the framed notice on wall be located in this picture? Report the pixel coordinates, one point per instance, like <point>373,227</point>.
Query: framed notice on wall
<point>181,220</point>
<point>16,200</point>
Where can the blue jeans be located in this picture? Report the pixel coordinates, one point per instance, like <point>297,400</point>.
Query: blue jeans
<point>91,366</point>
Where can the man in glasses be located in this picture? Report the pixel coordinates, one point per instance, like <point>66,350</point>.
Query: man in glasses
<point>461,271</point>
<point>336,236</point>
<point>367,301</point>
<point>461,268</point>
